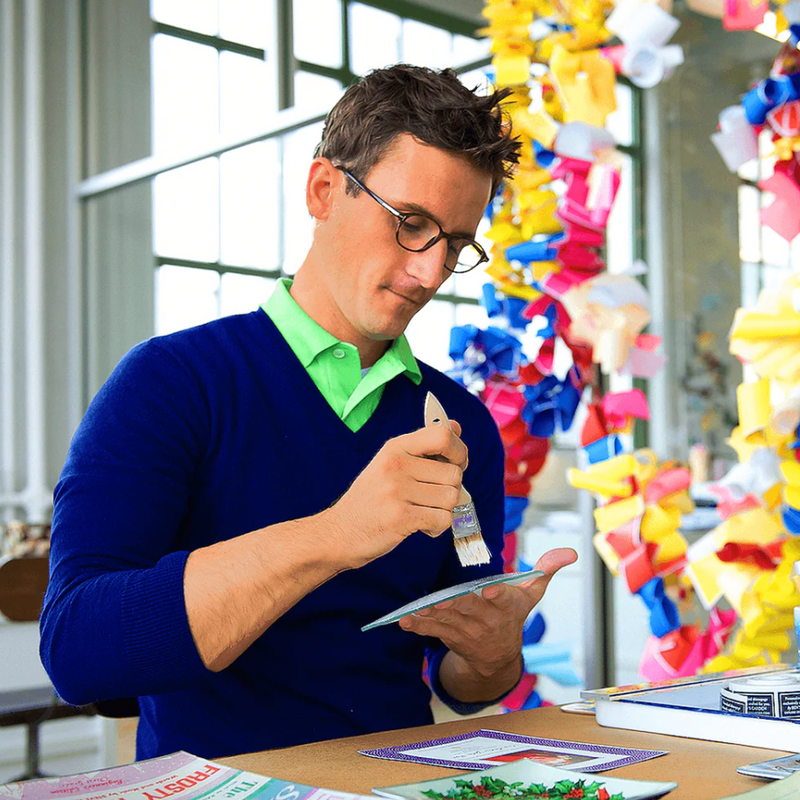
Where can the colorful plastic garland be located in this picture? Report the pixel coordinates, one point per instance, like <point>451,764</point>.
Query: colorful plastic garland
<point>561,59</point>
<point>548,227</point>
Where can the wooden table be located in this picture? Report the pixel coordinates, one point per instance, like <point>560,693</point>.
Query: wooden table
<point>703,770</point>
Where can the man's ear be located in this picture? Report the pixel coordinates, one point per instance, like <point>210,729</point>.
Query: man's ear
<point>322,178</point>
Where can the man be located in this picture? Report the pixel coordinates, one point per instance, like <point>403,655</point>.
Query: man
<point>241,498</point>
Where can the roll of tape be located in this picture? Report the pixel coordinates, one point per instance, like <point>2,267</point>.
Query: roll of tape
<point>763,696</point>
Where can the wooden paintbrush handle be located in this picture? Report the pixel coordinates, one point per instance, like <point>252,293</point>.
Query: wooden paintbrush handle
<point>435,415</point>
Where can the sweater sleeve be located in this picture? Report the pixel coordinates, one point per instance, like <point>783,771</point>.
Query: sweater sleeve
<point>484,480</point>
<point>114,620</point>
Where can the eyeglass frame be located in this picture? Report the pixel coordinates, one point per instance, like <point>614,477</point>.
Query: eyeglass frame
<point>402,216</point>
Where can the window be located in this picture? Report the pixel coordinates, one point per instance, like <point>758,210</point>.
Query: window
<point>767,259</point>
<point>241,214</point>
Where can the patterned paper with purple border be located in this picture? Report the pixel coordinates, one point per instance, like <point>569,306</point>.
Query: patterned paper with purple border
<point>626,755</point>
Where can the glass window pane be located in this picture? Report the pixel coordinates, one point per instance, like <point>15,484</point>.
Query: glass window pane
<point>185,94</point>
<point>449,285</point>
<point>186,212</point>
<point>425,45</point>
<point>315,93</point>
<point>196,15</point>
<point>749,225</point>
<point>620,122</point>
<point>470,284</point>
<point>751,283</point>
<point>240,294</point>
<point>468,314</point>
<point>466,49</point>
<point>795,253</point>
<point>246,21</point>
<point>621,230</point>
<point>298,153</point>
<point>318,32</point>
<point>429,334</point>
<point>374,38</point>
<point>247,97</point>
<point>185,297</point>
<point>774,247</point>
<point>477,80</point>
<point>773,278</point>
<point>250,205</point>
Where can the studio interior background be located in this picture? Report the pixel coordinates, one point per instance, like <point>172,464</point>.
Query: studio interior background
<point>153,158</point>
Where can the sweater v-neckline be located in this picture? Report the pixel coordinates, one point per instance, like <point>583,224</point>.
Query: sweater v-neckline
<point>310,389</point>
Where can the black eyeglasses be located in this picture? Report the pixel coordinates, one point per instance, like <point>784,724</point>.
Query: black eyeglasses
<point>418,232</point>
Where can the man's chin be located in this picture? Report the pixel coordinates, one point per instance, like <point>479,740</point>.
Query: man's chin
<point>388,330</point>
<point>388,334</point>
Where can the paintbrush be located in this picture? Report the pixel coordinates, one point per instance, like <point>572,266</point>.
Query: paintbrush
<point>467,537</point>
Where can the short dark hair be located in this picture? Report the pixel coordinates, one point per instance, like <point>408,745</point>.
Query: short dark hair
<point>431,105</point>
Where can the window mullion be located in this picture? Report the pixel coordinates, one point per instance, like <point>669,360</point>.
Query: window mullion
<point>216,42</point>
<point>285,54</point>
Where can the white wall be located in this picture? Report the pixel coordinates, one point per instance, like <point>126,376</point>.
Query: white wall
<point>50,305</point>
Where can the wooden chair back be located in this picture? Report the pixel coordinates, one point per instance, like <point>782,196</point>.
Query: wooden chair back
<point>22,585</point>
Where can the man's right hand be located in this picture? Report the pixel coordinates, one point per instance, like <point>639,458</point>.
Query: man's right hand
<point>402,490</point>
<point>235,589</point>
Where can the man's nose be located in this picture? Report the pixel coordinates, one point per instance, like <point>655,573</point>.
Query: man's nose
<point>428,266</point>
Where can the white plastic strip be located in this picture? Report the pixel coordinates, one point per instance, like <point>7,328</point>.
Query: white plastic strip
<point>8,224</point>
<point>38,499</point>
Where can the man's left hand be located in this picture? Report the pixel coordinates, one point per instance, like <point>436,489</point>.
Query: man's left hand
<point>484,631</point>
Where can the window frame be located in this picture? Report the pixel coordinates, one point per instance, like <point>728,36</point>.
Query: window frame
<point>290,119</point>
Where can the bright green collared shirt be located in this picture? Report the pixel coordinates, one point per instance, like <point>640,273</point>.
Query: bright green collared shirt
<point>334,366</point>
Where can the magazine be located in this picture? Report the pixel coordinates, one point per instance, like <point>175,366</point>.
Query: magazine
<point>527,780</point>
<point>178,774</point>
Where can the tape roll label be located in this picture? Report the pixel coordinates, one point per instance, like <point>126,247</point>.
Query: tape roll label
<point>761,704</point>
<point>763,696</point>
<point>732,705</point>
<point>789,704</point>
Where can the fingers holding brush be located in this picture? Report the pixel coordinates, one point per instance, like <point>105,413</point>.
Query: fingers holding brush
<point>437,442</point>
<point>412,483</point>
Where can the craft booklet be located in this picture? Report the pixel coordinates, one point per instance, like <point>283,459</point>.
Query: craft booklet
<point>487,748</point>
<point>527,780</point>
<point>178,774</point>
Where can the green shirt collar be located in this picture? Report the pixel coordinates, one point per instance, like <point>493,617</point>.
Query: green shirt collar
<point>334,366</point>
<point>308,339</point>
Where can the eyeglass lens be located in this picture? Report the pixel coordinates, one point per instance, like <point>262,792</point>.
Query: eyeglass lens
<point>417,232</point>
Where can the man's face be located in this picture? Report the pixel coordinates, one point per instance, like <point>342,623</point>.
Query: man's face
<point>375,285</point>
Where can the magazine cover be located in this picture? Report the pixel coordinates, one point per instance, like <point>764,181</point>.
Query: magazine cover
<point>179,775</point>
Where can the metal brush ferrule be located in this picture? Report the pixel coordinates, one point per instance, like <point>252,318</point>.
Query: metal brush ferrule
<point>465,523</point>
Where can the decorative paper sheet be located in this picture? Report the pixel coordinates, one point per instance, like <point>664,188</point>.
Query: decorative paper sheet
<point>486,748</point>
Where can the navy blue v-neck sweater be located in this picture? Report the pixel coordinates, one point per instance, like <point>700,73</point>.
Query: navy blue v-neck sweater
<point>202,436</point>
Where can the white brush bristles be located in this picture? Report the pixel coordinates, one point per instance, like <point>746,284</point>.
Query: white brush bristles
<point>472,550</point>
